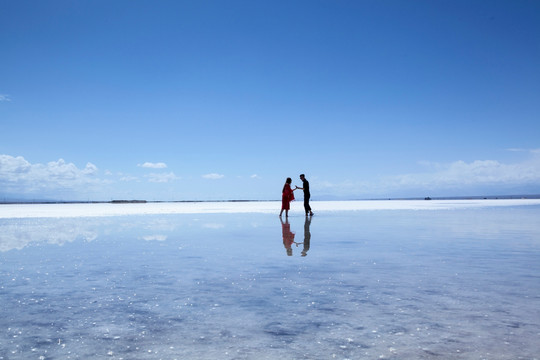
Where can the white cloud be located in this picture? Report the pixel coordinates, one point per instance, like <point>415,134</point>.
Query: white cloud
<point>162,177</point>
<point>455,178</point>
<point>213,176</point>
<point>479,172</point>
<point>150,165</point>
<point>255,176</point>
<point>20,176</point>
<point>128,178</point>
<point>5,97</point>
<point>531,151</point>
<point>90,169</point>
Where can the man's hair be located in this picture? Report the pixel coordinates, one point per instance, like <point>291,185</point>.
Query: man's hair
<point>302,175</point>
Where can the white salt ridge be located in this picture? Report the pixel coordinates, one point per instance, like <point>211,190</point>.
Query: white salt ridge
<point>15,211</point>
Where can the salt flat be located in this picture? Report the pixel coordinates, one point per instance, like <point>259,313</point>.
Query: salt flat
<point>108,209</point>
<point>458,280</point>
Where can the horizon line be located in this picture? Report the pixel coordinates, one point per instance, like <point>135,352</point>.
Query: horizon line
<point>133,201</point>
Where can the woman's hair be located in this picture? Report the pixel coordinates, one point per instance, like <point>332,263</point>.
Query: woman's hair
<point>288,181</point>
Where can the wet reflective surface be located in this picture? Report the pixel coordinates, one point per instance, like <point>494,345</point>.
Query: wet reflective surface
<point>452,284</point>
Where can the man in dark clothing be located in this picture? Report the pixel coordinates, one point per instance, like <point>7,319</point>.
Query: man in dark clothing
<point>307,195</point>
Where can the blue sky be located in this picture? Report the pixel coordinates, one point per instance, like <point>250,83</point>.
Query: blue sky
<point>203,100</point>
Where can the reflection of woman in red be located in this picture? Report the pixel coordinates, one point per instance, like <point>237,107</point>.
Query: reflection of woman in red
<point>286,197</point>
<point>288,236</point>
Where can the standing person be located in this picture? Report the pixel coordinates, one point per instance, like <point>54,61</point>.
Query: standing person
<point>287,195</point>
<point>307,195</point>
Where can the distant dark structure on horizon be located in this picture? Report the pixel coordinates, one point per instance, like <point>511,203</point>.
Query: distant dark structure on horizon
<point>128,201</point>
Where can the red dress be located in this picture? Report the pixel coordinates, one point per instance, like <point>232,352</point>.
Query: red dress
<point>286,197</point>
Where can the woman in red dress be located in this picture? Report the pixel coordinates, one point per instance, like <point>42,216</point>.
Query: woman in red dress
<point>286,197</point>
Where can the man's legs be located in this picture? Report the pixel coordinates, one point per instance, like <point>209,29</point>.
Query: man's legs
<point>306,204</point>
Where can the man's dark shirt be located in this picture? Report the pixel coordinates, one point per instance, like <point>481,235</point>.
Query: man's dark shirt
<point>306,187</point>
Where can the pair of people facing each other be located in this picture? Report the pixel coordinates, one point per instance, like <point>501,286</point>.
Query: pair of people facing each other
<point>288,195</point>
<point>288,237</point>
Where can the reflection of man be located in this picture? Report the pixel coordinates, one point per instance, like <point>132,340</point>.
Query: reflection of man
<point>288,236</point>
<point>307,194</point>
<point>307,236</point>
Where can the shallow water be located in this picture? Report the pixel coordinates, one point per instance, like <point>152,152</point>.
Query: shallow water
<point>392,284</point>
